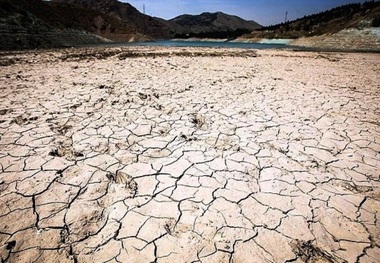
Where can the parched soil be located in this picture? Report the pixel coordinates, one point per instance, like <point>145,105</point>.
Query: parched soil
<point>189,155</point>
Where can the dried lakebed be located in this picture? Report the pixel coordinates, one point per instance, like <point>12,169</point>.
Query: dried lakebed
<point>189,155</point>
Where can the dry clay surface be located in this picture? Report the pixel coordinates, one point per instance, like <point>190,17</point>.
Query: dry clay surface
<point>189,155</point>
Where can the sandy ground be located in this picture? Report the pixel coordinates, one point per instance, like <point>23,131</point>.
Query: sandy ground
<point>189,155</point>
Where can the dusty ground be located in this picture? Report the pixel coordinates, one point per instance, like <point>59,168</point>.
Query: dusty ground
<point>188,155</point>
<point>348,39</point>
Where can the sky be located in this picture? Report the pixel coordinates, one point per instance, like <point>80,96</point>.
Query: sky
<point>265,12</point>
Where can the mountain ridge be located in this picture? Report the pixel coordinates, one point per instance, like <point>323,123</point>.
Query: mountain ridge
<point>216,25</point>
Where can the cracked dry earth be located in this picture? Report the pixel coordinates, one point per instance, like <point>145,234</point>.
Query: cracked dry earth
<point>189,155</point>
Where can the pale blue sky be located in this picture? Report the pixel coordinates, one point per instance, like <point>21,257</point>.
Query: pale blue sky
<point>265,12</point>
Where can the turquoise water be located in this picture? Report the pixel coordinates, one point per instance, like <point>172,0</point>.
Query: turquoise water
<point>173,43</point>
<point>271,44</point>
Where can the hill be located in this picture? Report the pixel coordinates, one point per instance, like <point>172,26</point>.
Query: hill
<point>22,27</point>
<point>28,24</point>
<point>327,22</point>
<point>125,14</point>
<point>211,25</point>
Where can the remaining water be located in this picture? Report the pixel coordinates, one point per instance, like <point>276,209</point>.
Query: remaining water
<point>173,43</point>
<point>217,44</point>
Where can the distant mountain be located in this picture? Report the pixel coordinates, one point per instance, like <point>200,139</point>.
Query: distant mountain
<point>211,25</point>
<point>327,22</point>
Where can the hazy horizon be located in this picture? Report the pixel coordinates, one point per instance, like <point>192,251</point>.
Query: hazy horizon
<point>265,12</point>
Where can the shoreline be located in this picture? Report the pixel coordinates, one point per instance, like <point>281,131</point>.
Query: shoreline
<point>115,45</point>
<point>365,40</point>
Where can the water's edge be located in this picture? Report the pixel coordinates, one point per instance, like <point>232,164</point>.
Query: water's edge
<point>214,44</point>
<point>283,45</point>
